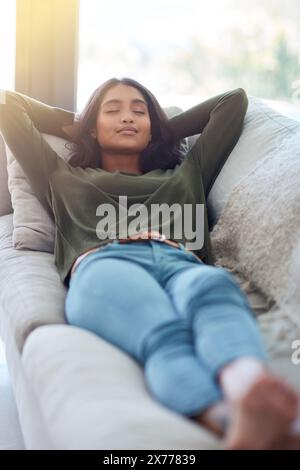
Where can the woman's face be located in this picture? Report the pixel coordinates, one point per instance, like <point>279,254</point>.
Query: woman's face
<point>128,108</point>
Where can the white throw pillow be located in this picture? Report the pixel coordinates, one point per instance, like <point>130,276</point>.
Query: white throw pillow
<point>34,229</point>
<point>264,128</point>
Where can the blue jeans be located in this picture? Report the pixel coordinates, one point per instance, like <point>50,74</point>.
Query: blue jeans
<point>181,319</point>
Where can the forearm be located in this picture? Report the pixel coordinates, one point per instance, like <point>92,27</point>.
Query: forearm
<point>47,119</point>
<point>22,122</point>
<point>220,135</point>
<point>194,120</point>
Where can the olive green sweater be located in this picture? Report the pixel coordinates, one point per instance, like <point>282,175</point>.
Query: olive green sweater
<point>71,195</point>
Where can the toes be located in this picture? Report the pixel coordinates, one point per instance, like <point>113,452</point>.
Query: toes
<point>274,393</point>
<point>287,393</point>
<point>283,398</point>
<point>287,443</point>
<point>292,394</point>
<point>264,414</point>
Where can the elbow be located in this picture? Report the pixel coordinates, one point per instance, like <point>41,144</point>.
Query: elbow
<point>2,100</point>
<point>243,98</point>
<point>6,96</point>
<point>11,98</point>
<point>2,96</point>
<point>8,100</point>
<point>3,106</point>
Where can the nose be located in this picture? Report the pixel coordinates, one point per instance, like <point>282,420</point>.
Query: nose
<point>127,116</point>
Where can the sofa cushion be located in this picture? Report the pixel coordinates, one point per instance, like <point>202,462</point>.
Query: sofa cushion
<point>5,199</point>
<point>33,227</point>
<point>92,395</point>
<point>31,292</point>
<point>264,129</point>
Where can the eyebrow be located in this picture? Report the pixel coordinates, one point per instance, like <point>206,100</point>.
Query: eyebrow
<point>136,100</point>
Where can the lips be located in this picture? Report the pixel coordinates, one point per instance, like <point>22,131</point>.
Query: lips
<point>128,128</point>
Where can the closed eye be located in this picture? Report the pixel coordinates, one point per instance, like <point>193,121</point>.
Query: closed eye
<point>138,112</point>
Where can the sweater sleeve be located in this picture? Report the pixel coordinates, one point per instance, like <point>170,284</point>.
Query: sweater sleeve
<point>22,122</point>
<point>219,120</point>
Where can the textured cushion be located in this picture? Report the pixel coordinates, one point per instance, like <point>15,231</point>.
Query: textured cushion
<point>5,199</point>
<point>264,128</point>
<point>33,227</point>
<point>258,233</point>
<point>92,395</point>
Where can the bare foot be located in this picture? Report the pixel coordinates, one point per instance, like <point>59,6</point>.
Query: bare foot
<point>262,416</point>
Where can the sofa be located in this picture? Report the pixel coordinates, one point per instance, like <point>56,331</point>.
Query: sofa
<point>73,389</point>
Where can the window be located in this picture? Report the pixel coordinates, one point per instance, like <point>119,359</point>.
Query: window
<point>185,52</point>
<point>7,43</point>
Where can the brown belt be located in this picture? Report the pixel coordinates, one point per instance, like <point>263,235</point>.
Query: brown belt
<point>154,236</point>
<point>138,237</point>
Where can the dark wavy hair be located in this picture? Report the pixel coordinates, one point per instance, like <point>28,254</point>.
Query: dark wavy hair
<point>162,152</point>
